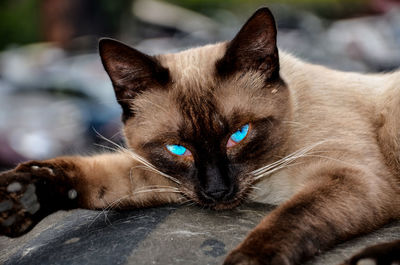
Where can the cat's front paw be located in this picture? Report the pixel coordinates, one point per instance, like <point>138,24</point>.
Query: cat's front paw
<point>381,254</point>
<point>18,203</point>
<point>28,193</point>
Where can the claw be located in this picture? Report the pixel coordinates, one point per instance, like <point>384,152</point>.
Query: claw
<point>51,172</point>
<point>35,167</point>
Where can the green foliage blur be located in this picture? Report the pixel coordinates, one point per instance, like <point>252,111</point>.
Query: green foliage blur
<point>20,20</point>
<point>324,8</point>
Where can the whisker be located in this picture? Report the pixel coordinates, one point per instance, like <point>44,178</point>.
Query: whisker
<point>156,105</point>
<point>131,177</point>
<point>115,134</point>
<point>275,169</point>
<point>119,147</point>
<point>291,156</point>
<point>154,170</point>
<point>284,162</point>
<point>155,190</point>
<point>106,147</point>
<point>294,123</point>
<point>115,203</point>
<point>161,186</point>
<point>330,158</point>
<point>109,206</point>
<point>186,201</point>
<point>157,187</point>
<point>138,158</point>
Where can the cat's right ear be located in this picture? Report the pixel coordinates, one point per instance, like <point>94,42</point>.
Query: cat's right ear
<point>254,48</point>
<point>131,72</point>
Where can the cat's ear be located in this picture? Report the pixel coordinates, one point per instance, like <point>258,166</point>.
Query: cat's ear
<point>253,48</point>
<point>131,72</point>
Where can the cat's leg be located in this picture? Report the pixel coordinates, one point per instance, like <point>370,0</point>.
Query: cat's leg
<point>336,205</point>
<point>381,254</point>
<point>36,189</point>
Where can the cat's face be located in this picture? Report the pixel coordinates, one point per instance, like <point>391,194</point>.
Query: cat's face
<point>208,116</point>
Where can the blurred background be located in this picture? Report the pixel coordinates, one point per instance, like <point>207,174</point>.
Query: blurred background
<point>56,99</point>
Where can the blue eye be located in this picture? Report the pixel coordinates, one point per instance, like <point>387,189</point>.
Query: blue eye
<point>178,149</point>
<point>238,136</point>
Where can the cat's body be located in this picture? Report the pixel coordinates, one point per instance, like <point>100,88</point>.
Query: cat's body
<point>332,110</point>
<point>323,144</point>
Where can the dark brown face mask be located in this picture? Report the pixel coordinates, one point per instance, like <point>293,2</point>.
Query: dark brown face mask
<point>205,151</point>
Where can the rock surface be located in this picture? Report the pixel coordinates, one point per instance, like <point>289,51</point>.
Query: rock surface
<point>164,235</point>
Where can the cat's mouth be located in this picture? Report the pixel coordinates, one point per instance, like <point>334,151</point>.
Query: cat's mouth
<point>222,204</point>
<point>225,205</point>
<point>238,195</point>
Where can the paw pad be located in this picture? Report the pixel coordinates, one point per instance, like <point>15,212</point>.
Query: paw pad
<point>14,187</point>
<point>5,206</point>
<point>29,199</point>
<point>9,221</point>
<point>72,194</point>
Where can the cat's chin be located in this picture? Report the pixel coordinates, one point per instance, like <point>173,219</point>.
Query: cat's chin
<point>218,205</point>
<point>223,205</point>
<point>226,205</point>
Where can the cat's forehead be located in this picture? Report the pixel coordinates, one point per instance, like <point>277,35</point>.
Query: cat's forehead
<point>189,99</point>
<point>197,100</point>
<point>193,68</point>
<point>194,80</point>
<point>173,112</point>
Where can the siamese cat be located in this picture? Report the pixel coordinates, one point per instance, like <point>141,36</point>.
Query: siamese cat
<point>229,122</point>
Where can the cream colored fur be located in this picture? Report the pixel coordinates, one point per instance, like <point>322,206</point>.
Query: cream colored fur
<point>343,111</point>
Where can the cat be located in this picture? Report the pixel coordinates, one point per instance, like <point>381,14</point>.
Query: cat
<point>218,123</point>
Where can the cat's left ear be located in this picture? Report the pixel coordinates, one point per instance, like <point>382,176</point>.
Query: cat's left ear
<point>253,48</point>
<point>131,72</point>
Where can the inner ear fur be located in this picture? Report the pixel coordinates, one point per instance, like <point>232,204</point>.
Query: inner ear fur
<point>253,48</point>
<point>131,72</point>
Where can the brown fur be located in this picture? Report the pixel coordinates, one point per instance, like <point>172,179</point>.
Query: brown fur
<point>344,182</point>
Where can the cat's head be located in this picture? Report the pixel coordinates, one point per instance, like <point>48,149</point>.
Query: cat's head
<point>207,116</point>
